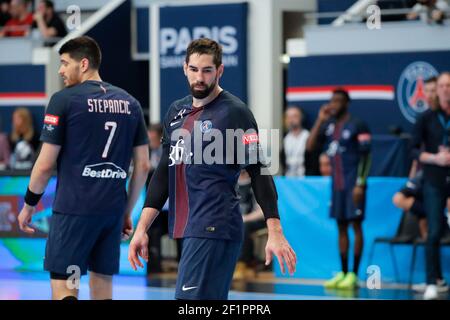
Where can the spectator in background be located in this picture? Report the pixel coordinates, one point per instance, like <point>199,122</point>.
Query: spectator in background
<point>24,141</point>
<point>294,143</point>
<point>4,12</point>
<point>347,141</point>
<point>431,147</point>
<point>4,150</point>
<point>325,165</point>
<point>253,218</point>
<point>409,198</point>
<point>429,11</point>
<point>430,93</point>
<point>21,20</point>
<point>155,132</point>
<point>49,23</point>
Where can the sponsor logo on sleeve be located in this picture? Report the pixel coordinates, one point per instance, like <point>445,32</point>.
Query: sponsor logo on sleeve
<point>51,119</point>
<point>250,138</point>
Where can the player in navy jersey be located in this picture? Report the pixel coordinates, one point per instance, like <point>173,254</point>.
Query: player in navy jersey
<point>92,130</point>
<point>346,140</point>
<point>198,171</point>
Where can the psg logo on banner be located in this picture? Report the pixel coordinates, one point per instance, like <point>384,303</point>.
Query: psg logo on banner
<point>411,91</point>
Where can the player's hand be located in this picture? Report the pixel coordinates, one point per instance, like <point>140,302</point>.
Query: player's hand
<point>37,16</point>
<point>442,158</point>
<point>138,248</point>
<point>278,245</point>
<point>24,218</point>
<point>358,195</point>
<point>127,229</point>
<point>324,113</point>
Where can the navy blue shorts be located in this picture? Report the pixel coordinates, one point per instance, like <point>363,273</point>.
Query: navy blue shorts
<point>343,208</point>
<point>206,268</point>
<point>91,242</point>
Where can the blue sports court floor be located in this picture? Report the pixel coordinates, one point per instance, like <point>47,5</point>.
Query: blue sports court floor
<point>35,286</point>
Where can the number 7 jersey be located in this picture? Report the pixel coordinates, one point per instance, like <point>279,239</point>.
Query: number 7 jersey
<point>97,126</point>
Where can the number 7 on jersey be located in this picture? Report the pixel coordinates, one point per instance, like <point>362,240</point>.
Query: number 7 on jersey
<point>113,126</point>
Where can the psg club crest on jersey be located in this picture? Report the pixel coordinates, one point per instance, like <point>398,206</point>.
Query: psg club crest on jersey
<point>206,126</point>
<point>411,91</point>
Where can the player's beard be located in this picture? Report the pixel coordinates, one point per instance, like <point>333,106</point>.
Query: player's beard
<point>202,94</point>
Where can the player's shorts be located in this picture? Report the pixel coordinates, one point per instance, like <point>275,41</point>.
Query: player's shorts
<point>343,208</point>
<point>88,242</point>
<point>206,268</point>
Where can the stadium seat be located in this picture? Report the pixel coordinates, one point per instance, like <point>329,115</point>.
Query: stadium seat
<point>407,234</point>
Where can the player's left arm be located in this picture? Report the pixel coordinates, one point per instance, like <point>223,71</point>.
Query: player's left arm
<point>364,144</point>
<point>40,175</point>
<point>266,196</point>
<point>141,169</point>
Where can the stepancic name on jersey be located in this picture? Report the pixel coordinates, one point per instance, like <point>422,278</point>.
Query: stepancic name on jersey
<point>104,170</point>
<point>109,106</point>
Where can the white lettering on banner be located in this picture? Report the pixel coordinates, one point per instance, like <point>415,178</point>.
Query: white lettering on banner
<point>176,41</point>
<point>171,38</point>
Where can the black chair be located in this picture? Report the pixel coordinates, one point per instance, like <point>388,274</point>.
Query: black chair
<point>407,233</point>
<point>445,241</point>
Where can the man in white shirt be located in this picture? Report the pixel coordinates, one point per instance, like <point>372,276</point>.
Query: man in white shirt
<point>295,142</point>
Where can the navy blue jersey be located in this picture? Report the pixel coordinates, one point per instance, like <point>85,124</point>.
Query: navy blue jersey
<point>208,148</point>
<point>97,125</point>
<point>344,144</point>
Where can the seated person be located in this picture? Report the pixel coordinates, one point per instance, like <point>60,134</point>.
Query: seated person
<point>253,218</point>
<point>49,23</point>
<point>21,20</point>
<point>409,198</point>
<point>4,12</point>
<point>4,151</point>
<point>429,11</point>
<point>24,141</point>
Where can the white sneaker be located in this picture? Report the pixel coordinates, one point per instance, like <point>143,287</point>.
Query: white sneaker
<point>442,286</point>
<point>431,292</point>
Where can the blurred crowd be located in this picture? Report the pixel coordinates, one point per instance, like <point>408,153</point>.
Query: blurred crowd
<point>17,19</point>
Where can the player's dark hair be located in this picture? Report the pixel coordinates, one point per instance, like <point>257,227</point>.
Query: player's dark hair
<point>205,46</point>
<point>48,4</point>
<point>342,92</point>
<point>83,48</point>
<point>430,80</point>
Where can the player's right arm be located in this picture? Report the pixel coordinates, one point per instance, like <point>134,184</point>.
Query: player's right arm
<point>40,175</point>
<point>52,137</point>
<point>324,115</point>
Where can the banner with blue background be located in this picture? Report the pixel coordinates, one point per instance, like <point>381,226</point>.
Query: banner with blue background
<point>179,25</point>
